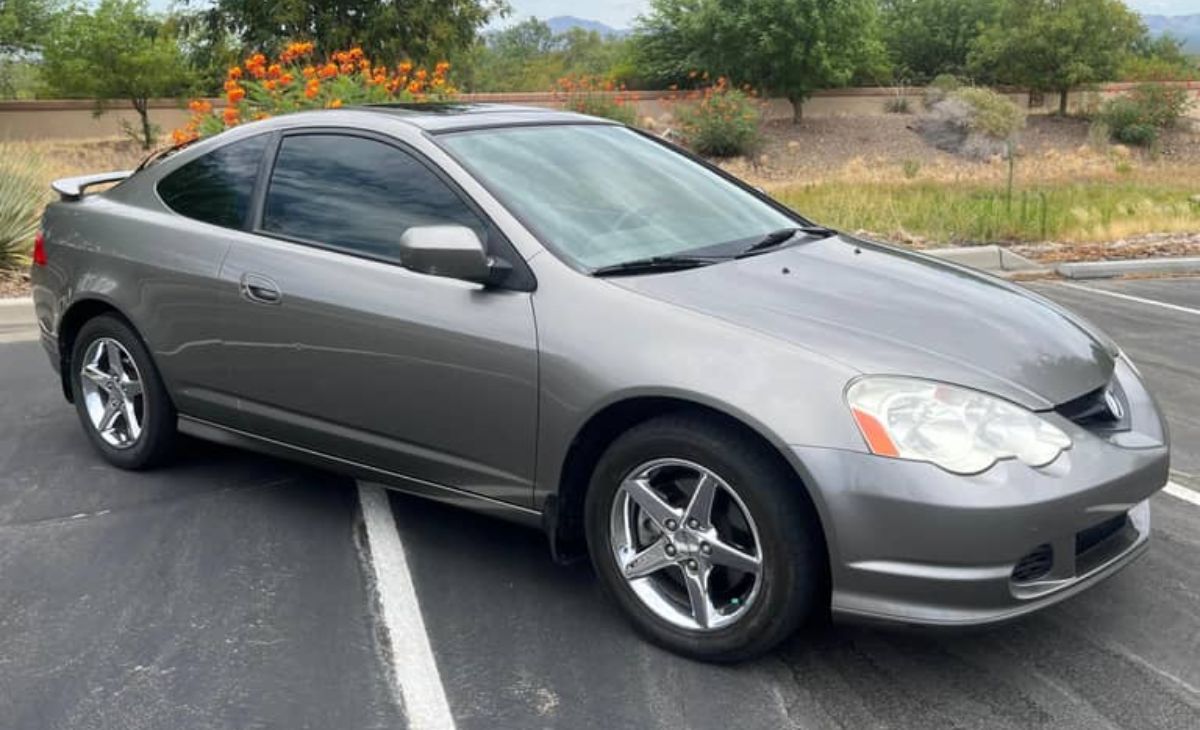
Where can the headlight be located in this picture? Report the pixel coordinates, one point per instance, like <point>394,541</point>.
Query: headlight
<point>961,430</point>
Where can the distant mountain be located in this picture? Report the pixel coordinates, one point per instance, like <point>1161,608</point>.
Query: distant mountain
<point>1183,27</point>
<point>564,23</point>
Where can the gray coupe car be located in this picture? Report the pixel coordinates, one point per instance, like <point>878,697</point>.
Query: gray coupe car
<point>745,419</point>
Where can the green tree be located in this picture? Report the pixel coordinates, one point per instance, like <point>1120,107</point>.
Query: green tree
<point>1159,58</point>
<point>926,38</point>
<point>522,57</point>
<point>785,47</point>
<point>530,56</point>
<point>425,31</point>
<point>1053,45</point>
<point>116,51</point>
<point>23,25</point>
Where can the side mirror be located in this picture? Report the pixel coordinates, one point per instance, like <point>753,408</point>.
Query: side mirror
<point>454,252</point>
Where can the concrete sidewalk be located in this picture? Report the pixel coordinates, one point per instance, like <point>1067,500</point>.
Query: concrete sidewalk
<point>17,320</point>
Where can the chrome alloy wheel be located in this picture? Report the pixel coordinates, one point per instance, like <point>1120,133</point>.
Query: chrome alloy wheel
<point>112,392</point>
<point>686,544</point>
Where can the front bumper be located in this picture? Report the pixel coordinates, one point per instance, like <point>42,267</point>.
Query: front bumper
<point>912,543</point>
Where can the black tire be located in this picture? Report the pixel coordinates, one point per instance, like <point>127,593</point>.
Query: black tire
<point>794,573</point>
<point>158,428</point>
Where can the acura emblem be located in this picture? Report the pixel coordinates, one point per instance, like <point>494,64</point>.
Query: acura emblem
<point>1114,404</point>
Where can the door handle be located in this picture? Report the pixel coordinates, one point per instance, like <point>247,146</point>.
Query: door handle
<point>260,290</point>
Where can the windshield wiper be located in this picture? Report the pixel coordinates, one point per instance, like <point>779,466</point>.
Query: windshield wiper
<point>655,264</point>
<point>775,239</point>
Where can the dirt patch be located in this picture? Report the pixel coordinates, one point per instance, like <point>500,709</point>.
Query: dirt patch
<point>1142,247</point>
<point>14,285</point>
<point>888,147</point>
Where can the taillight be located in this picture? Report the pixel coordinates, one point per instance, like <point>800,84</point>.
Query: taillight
<point>39,249</point>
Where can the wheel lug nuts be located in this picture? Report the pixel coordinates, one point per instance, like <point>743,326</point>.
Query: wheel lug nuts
<point>672,525</point>
<point>669,550</point>
<point>691,564</point>
<point>693,523</point>
<point>705,548</point>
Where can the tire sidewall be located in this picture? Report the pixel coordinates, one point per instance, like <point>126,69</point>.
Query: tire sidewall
<point>158,422</point>
<point>790,578</point>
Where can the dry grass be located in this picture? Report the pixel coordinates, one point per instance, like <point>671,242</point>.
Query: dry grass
<point>1082,195</point>
<point>80,157</point>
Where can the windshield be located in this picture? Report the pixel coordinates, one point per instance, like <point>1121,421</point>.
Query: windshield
<point>601,195</point>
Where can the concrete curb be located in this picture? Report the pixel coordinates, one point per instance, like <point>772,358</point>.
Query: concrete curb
<point>1109,269</point>
<point>16,302</point>
<point>989,258</point>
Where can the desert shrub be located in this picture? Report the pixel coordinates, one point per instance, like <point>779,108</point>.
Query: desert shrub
<point>992,114</point>
<point>596,97</point>
<point>974,122</point>
<point>939,88</point>
<point>1138,117</point>
<point>294,81</point>
<point>898,104</point>
<point>1099,135</point>
<point>724,122</point>
<point>22,196</point>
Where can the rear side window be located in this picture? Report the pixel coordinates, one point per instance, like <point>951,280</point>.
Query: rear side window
<point>217,187</point>
<point>357,195</point>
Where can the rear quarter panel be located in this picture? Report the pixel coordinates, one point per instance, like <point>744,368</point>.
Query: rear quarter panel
<point>156,268</point>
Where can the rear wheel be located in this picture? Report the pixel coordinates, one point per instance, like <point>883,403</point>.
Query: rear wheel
<point>119,395</point>
<point>706,541</point>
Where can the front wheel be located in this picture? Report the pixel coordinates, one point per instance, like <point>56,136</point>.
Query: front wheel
<point>119,395</point>
<point>705,539</point>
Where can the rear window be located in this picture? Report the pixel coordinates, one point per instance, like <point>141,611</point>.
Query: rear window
<point>216,188</point>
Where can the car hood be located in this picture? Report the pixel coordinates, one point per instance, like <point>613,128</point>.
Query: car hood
<point>882,310</point>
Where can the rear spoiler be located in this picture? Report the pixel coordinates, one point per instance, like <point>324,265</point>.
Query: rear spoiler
<point>72,188</point>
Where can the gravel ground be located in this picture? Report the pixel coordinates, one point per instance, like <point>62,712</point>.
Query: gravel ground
<point>867,147</point>
<point>14,286</point>
<point>1142,247</point>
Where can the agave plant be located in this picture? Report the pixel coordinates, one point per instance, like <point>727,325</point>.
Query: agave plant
<point>22,196</point>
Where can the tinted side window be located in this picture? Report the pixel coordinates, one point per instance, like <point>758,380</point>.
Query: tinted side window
<point>216,188</point>
<point>356,194</point>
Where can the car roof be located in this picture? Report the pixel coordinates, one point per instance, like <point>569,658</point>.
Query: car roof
<point>452,116</point>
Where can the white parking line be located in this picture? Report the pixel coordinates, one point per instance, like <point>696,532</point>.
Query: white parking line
<point>1187,495</point>
<point>414,669</point>
<point>1131,298</point>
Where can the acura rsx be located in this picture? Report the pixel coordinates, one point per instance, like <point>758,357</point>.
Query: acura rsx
<point>745,419</point>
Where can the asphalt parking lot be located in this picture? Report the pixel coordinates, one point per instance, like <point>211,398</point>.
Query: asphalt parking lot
<point>235,590</point>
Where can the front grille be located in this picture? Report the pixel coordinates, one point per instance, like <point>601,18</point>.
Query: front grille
<point>1034,565</point>
<point>1093,411</point>
<point>1096,534</point>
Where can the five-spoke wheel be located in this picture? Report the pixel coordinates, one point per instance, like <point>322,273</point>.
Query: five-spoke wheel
<point>705,537</point>
<point>686,544</point>
<point>119,395</point>
<point>112,392</point>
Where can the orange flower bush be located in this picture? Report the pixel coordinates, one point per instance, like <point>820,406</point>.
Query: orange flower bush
<point>263,87</point>
<point>720,120</point>
<point>597,97</point>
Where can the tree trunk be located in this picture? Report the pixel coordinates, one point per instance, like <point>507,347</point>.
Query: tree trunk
<point>797,108</point>
<point>142,106</point>
<point>1062,102</point>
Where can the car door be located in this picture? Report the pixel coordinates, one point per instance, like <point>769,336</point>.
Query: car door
<point>210,197</point>
<point>335,347</point>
